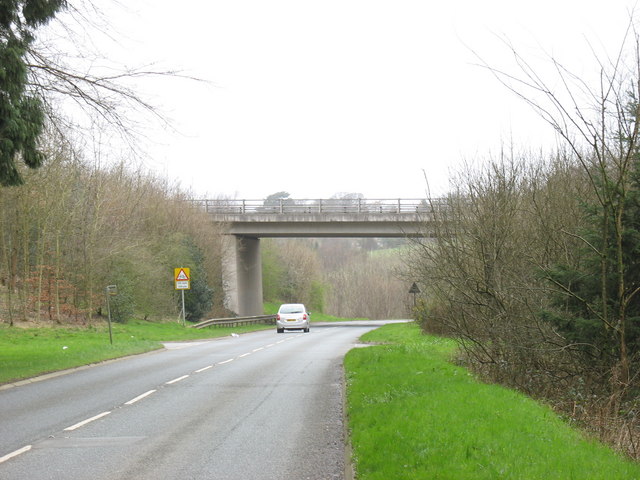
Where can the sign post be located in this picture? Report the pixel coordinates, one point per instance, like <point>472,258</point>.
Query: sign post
<point>182,278</point>
<point>110,291</point>
<point>414,289</point>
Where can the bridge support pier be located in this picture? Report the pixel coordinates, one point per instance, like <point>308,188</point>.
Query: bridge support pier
<point>244,277</point>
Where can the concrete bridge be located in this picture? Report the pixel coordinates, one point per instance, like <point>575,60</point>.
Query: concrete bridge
<point>249,220</point>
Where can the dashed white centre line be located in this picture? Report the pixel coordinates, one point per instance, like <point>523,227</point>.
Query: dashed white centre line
<point>140,397</point>
<point>205,368</point>
<point>175,380</point>
<point>9,456</point>
<point>84,422</point>
<point>137,399</point>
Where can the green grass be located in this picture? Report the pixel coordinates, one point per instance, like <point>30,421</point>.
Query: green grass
<point>27,352</point>
<point>414,415</point>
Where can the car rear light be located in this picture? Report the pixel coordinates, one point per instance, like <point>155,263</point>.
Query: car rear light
<point>304,317</point>
<point>278,317</point>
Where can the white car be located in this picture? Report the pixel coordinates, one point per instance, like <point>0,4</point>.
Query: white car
<point>292,316</point>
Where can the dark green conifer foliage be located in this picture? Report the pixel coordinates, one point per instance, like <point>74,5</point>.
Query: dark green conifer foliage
<point>199,299</point>
<point>21,111</point>
<point>584,302</point>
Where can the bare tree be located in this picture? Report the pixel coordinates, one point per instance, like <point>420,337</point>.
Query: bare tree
<point>534,267</point>
<point>82,89</point>
<point>69,68</point>
<point>600,127</point>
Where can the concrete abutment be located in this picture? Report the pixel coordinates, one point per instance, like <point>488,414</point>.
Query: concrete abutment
<point>244,276</point>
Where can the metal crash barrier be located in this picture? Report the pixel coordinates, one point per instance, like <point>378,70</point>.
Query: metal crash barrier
<point>236,321</point>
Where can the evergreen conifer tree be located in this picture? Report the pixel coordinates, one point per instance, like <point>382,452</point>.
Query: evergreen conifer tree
<point>599,296</point>
<point>21,112</point>
<point>199,299</point>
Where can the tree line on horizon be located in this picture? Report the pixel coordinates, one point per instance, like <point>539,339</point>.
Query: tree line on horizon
<point>343,277</point>
<point>73,227</point>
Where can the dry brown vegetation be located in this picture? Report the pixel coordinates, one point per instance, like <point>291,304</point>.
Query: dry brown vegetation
<point>350,278</point>
<point>76,226</point>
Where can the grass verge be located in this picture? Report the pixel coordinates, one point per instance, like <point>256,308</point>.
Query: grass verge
<point>27,352</point>
<point>414,415</point>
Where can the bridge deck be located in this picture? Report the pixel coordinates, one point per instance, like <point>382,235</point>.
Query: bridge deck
<point>250,220</point>
<point>320,206</point>
<point>322,218</point>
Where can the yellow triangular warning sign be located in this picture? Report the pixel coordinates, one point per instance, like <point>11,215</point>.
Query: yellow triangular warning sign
<point>182,275</point>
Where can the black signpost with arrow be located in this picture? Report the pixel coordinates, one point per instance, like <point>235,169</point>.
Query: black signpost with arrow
<point>414,289</point>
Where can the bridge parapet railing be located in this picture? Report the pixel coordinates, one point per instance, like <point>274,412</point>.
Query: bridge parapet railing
<point>308,206</point>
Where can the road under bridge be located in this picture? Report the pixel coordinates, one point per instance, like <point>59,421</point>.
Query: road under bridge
<point>249,220</point>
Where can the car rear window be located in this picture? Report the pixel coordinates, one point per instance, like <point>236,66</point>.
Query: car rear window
<point>291,309</point>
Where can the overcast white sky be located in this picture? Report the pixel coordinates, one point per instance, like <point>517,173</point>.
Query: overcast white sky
<point>320,97</point>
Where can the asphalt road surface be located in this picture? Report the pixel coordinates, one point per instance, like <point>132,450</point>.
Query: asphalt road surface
<point>256,406</point>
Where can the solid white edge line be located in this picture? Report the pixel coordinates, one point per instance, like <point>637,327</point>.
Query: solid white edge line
<point>257,349</point>
<point>205,368</point>
<point>176,380</point>
<point>20,451</point>
<point>226,361</point>
<point>84,422</point>
<point>140,397</point>
<point>270,345</point>
<point>244,355</point>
